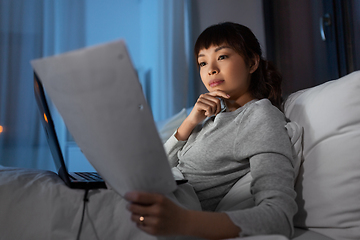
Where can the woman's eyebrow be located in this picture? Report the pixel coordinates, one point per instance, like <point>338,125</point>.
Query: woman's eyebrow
<point>221,47</point>
<point>216,50</point>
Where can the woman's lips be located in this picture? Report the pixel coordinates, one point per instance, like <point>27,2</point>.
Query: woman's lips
<point>215,82</point>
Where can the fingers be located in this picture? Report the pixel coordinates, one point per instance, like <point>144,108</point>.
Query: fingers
<point>152,213</point>
<point>147,224</point>
<point>142,203</point>
<point>210,103</point>
<point>155,214</point>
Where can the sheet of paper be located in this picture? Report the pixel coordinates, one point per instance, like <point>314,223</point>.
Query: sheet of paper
<point>97,93</point>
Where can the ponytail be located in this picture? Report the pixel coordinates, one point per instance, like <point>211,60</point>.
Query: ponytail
<point>266,83</point>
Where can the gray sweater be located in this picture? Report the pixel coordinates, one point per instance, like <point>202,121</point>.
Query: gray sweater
<point>224,148</point>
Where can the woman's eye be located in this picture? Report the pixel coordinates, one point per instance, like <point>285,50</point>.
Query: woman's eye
<point>202,64</point>
<point>222,57</point>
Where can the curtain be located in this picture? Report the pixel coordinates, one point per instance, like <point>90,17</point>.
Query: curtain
<point>31,29</point>
<point>167,67</point>
<point>175,85</point>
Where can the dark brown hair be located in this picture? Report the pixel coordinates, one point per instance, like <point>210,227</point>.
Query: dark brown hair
<point>266,80</point>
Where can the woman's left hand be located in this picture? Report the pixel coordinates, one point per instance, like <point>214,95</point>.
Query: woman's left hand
<point>155,213</point>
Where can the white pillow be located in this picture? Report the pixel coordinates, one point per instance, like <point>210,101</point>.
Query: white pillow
<point>167,127</point>
<point>328,186</point>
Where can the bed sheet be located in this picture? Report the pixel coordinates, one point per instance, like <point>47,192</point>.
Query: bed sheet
<point>36,204</point>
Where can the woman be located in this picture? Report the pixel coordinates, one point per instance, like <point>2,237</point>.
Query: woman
<point>217,145</point>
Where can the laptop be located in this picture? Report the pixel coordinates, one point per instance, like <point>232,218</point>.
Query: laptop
<point>79,180</point>
<point>97,92</point>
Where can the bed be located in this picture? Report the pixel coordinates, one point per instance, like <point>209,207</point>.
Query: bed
<point>36,204</point>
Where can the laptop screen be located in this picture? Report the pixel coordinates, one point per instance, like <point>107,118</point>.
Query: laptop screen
<point>48,124</point>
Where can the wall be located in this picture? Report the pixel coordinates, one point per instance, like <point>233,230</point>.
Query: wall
<point>246,12</point>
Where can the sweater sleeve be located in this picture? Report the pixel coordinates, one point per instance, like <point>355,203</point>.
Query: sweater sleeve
<point>172,146</point>
<point>264,141</point>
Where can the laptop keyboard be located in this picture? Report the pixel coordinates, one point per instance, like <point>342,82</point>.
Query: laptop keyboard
<point>89,176</point>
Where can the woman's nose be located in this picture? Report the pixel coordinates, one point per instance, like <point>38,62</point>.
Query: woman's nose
<point>213,70</point>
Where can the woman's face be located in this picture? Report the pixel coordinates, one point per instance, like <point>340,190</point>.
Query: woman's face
<point>222,68</point>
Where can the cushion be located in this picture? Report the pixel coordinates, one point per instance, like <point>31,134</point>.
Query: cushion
<point>167,127</point>
<point>328,185</point>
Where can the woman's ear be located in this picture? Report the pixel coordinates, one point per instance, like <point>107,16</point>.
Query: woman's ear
<point>255,63</point>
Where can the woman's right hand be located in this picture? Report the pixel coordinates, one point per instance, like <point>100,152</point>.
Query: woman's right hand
<point>208,104</point>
